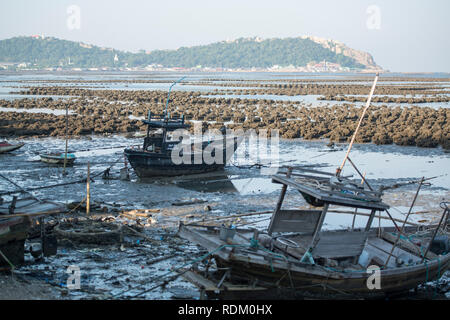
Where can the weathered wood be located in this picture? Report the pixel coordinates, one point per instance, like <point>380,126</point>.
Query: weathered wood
<point>363,194</point>
<point>272,269</point>
<point>406,245</point>
<point>280,201</point>
<point>229,217</point>
<point>370,220</point>
<point>334,199</point>
<point>385,249</point>
<point>13,229</point>
<point>301,221</point>
<point>407,216</point>
<point>339,244</point>
<point>200,281</point>
<point>317,229</point>
<point>32,207</point>
<point>368,215</point>
<point>209,242</point>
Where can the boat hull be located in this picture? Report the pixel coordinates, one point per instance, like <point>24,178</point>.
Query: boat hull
<point>293,279</point>
<point>9,148</point>
<point>305,284</point>
<point>147,164</point>
<point>57,160</point>
<point>151,164</point>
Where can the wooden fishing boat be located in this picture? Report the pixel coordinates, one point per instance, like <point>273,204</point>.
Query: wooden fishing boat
<point>155,158</point>
<point>58,158</point>
<point>296,257</point>
<point>7,147</point>
<point>15,223</point>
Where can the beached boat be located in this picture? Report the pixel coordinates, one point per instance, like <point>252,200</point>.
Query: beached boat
<point>15,223</point>
<point>155,158</point>
<point>295,257</point>
<point>7,147</point>
<point>58,158</point>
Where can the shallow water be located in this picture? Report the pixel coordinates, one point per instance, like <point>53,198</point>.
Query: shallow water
<point>383,165</point>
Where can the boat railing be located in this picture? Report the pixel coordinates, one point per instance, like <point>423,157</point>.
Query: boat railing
<point>163,117</point>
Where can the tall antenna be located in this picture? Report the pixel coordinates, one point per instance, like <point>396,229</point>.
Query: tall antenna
<point>339,170</point>
<point>168,95</point>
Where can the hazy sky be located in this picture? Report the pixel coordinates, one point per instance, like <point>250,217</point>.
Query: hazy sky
<point>402,35</point>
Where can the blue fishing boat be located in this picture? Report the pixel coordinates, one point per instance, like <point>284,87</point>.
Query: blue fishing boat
<point>58,158</point>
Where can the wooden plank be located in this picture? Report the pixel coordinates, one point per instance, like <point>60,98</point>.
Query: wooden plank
<point>332,199</point>
<point>33,207</point>
<point>339,244</point>
<point>209,242</point>
<point>398,252</point>
<point>280,202</point>
<point>301,221</point>
<point>199,281</point>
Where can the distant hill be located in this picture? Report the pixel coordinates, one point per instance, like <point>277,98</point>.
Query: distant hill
<point>42,52</point>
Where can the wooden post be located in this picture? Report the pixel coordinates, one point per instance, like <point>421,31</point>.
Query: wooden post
<point>280,199</point>
<point>339,170</point>
<point>65,154</point>
<point>88,191</point>
<point>356,209</point>
<point>369,222</point>
<point>316,231</point>
<point>354,218</point>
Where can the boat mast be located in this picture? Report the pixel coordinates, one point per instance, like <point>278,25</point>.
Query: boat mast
<point>339,170</point>
<point>166,116</point>
<point>168,96</point>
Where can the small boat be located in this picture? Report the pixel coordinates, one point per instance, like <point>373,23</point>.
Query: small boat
<point>296,258</point>
<point>58,158</point>
<point>7,147</point>
<point>155,158</point>
<point>15,223</point>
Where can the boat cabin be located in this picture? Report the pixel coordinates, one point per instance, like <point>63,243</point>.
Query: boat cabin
<point>158,127</point>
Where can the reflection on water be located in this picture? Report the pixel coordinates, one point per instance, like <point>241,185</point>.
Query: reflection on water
<point>220,183</point>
